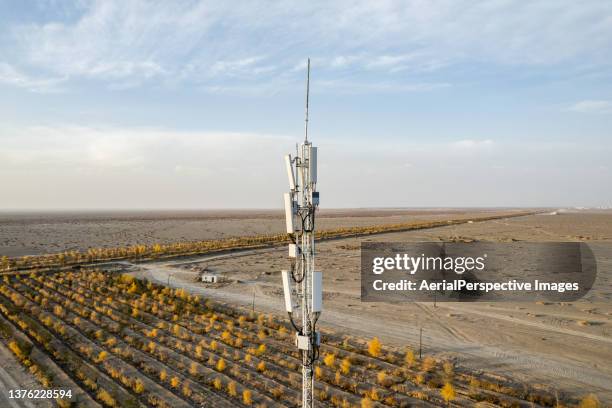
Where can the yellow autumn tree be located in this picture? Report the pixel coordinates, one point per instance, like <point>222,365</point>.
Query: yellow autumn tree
<point>448,393</point>
<point>409,358</point>
<point>231,389</point>
<point>366,403</point>
<point>139,386</point>
<point>590,401</point>
<point>221,365</point>
<point>374,347</point>
<point>345,366</point>
<point>329,360</point>
<point>247,398</point>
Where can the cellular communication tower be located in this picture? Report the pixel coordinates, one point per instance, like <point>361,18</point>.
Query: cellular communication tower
<point>302,283</point>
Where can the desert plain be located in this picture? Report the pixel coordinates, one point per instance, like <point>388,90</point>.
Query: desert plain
<point>565,346</point>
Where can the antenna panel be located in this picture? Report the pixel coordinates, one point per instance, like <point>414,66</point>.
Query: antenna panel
<point>317,291</point>
<point>312,164</point>
<point>287,291</point>
<point>294,251</point>
<point>290,173</point>
<point>289,213</point>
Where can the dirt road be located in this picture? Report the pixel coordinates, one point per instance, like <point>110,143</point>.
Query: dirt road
<point>565,345</point>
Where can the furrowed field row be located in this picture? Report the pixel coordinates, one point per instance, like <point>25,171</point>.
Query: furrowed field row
<point>364,377</point>
<point>167,344</point>
<point>281,375</point>
<point>38,361</point>
<point>362,386</point>
<point>102,387</point>
<point>149,340</point>
<point>388,382</point>
<point>179,367</point>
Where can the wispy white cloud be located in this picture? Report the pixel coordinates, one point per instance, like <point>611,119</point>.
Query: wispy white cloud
<point>12,76</point>
<point>234,66</point>
<point>592,106</point>
<point>470,144</point>
<point>206,42</point>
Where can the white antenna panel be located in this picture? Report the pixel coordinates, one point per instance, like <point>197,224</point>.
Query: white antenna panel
<point>289,213</point>
<point>294,251</point>
<point>290,174</point>
<point>317,291</point>
<point>312,164</point>
<point>287,291</point>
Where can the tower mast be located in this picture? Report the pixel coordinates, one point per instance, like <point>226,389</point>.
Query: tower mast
<point>302,281</point>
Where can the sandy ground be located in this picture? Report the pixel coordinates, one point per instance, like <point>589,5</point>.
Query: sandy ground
<point>564,345</point>
<point>39,233</point>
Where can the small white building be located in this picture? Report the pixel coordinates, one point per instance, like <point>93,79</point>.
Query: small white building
<point>210,277</point>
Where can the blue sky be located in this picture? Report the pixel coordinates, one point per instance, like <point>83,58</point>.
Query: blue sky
<point>191,104</point>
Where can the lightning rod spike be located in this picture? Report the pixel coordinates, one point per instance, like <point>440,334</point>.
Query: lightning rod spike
<point>307,96</point>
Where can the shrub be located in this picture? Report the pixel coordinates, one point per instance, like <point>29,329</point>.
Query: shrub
<point>106,398</point>
<point>409,358</point>
<point>345,366</point>
<point>428,364</point>
<point>261,367</point>
<point>163,375</point>
<point>448,393</point>
<point>366,403</point>
<point>277,392</point>
<point>102,356</point>
<point>16,349</point>
<point>62,403</point>
<point>58,311</point>
<point>590,401</point>
<point>133,288</point>
<point>449,369</point>
<point>221,365</point>
<point>261,349</point>
<point>174,382</point>
<point>374,347</point>
<point>139,386</point>
<point>247,398</point>
<point>231,389</point>
<point>261,335</point>
<point>329,360</point>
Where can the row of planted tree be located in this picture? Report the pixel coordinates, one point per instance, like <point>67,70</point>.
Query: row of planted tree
<point>155,251</point>
<point>132,343</point>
